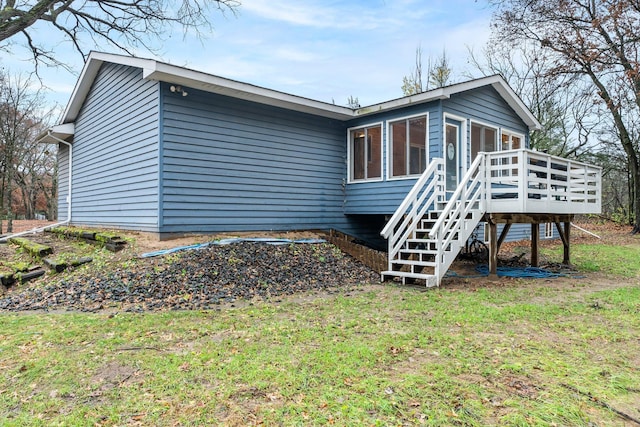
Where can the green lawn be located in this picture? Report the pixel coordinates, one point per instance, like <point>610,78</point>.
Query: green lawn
<point>519,353</point>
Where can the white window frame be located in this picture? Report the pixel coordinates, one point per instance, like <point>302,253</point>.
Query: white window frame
<point>350,179</point>
<point>548,230</point>
<point>388,141</point>
<point>464,141</point>
<point>487,125</point>
<point>511,134</point>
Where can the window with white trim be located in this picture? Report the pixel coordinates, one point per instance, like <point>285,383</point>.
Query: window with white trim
<point>365,153</point>
<point>548,230</point>
<point>483,138</point>
<point>408,146</point>
<point>512,140</point>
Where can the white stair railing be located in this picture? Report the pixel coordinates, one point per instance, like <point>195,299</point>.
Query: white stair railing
<point>460,216</point>
<point>427,190</point>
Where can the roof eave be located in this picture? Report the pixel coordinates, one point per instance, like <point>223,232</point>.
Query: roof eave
<point>162,72</point>
<point>395,104</point>
<point>222,86</point>
<point>54,134</point>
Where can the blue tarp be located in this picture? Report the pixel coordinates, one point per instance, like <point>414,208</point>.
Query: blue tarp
<point>267,240</point>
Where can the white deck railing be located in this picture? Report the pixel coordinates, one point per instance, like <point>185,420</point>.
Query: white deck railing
<point>426,191</point>
<point>515,181</point>
<point>459,217</point>
<point>527,181</point>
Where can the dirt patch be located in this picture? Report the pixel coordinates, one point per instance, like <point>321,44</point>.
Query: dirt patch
<point>20,225</point>
<point>113,374</point>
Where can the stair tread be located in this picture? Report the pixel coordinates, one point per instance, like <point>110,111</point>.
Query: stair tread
<point>407,274</point>
<point>419,251</point>
<point>414,262</point>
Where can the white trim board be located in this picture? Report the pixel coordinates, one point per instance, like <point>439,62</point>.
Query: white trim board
<point>163,72</point>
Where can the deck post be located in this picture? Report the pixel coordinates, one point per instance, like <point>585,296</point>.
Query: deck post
<point>503,235</point>
<point>535,240</point>
<point>565,235</point>
<point>493,248</point>
<point>567,243</point>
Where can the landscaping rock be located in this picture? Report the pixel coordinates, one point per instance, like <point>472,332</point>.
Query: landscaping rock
<point>203,279</point>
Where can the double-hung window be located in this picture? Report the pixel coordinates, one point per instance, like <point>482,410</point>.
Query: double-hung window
<point>408,146</point>
<point>365,153</point>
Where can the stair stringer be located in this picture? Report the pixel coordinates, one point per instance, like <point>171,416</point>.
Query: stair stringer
<point>460,217</point>
<point>443,241</point>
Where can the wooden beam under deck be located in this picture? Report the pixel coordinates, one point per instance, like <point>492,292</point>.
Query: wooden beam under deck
<point>535,241</point>
<point>493,219</point>
<point>565,235</point>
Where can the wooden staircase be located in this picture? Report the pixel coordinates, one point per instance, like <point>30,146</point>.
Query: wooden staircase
<point>427,231</point>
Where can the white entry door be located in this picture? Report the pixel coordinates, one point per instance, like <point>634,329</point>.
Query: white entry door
<point>452,139</point>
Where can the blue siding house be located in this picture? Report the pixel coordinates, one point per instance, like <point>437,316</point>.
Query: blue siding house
<point>149,146</point>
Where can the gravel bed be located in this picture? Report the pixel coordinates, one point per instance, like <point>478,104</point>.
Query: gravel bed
<point>202,279</point>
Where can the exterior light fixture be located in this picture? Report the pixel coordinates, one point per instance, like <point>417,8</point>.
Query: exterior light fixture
<point>178,89</point>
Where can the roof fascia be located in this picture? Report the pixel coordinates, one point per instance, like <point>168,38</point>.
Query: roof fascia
<point>56,133</point>
<point>159,71</point>
<point>496,81</point>
<point>419,98</point>
<point>88,75</point>
<point>514,101</point>
<point>220,85</point>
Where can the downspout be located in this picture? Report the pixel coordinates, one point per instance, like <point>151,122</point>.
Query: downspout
<point>66,221</point>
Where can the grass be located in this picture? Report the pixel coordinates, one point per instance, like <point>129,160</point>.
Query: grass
<point>618,260</point>
<point>501,355</point>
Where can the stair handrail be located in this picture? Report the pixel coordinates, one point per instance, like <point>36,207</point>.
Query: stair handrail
<point>411,197</point>
<point>473,169</point>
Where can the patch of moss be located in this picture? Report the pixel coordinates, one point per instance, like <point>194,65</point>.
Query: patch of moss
<point>18,265</point>
<point>33,248</point>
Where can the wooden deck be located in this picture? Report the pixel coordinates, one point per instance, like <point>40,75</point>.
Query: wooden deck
<point>431,225</point>
<point>530,182</point>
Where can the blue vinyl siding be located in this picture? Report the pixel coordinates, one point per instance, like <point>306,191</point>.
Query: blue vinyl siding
<point>518,232</point>
<point>115,152</point>
<point>482,104</point>
<point>63,182</point>
<point>384,197</point>
<point>233,165</point>
<point>486,106</point>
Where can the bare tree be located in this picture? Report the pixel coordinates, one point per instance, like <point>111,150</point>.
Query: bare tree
<point>124,24</point>
<point>440,73</point>
<point>353,102</point>
<point>412,83</point>
<point>34,177</point>
<point>596,42</point>
<point>21,120</point>
<point>564,109</point>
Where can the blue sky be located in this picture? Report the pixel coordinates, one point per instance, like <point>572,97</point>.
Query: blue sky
<point>321,49</point>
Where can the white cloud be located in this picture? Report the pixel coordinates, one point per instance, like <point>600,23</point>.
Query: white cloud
<point>311,13</point>
<point>320,49</point>
<point>296,55</point>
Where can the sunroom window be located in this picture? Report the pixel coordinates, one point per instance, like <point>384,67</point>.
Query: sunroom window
<point>483,138</point>
<point>511,141</point>
<point>365,153</point>
<point>408,146</point>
